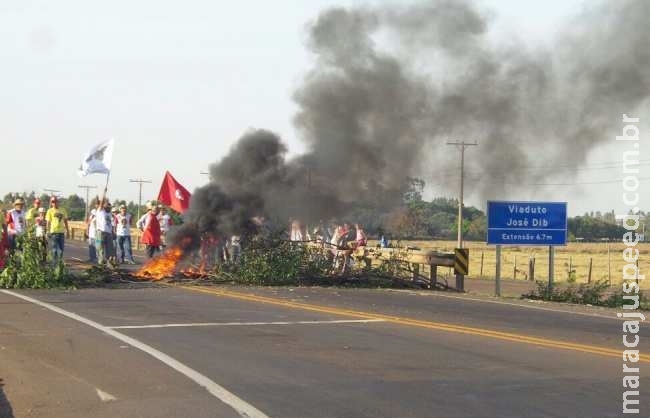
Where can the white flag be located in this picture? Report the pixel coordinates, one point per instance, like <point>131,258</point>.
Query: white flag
<point>98,159</point>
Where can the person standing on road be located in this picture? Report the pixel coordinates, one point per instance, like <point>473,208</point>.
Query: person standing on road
<point>57,227</point>
<point>150,228</point>
<point>92,234</point>
<point>123,232</point>
<point>40,232</point>
<point>166,223</point>
<point>104,232</point>
<point>16,226</point>
<point>32,214</point>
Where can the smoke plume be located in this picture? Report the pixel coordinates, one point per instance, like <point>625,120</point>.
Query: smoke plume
<point>392,84</point>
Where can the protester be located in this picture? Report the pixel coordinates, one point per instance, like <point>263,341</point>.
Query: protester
<point>104,233</point>
<point>32,214</point>
<point>322,233</point>
<point>166,223</point>
<point>123,232</point>
<point>114,212</point>
<point>92,234</point>
<point>3,239</point>
<point>296,231</point>
<point>210,244</point>
<point>16,226</point>
<point>361,238</point>
<point>40,232</point>
<point>235,248</point>
<point>57,224</point>
<point>150,228</point>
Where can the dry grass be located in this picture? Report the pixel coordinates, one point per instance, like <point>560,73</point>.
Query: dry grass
<point>576,255</point>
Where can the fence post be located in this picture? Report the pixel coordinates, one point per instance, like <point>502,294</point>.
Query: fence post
<point>531,269</point>
<point>514,273</point>
<point>433,276</point>
<point>482,254</point>
<point>591,262</point>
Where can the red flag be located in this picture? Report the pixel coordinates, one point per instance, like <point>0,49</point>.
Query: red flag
<point>173,194</point>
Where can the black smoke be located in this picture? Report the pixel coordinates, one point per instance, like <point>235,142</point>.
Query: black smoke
<point>392,84</point>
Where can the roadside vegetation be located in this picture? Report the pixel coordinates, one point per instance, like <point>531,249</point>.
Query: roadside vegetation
<point>596,294</point>
<point>29,269</point>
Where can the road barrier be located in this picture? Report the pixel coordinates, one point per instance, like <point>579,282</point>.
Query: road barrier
<point>415,258</point>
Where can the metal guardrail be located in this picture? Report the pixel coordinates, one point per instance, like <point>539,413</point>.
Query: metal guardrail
<point>415,257</point>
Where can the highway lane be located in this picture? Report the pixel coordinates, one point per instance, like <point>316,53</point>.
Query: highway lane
<point>294,356</point>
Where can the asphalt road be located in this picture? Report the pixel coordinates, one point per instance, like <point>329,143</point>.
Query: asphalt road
<point>306,352</point>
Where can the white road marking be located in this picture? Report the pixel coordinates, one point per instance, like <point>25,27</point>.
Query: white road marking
<point>243,408</point>
<point>234,324</point>
<point>105,397</point>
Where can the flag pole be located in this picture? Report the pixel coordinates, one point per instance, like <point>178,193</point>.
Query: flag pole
<point>108,176</point>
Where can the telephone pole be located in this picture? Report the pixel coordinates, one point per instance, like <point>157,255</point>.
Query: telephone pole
<point>52,192</point>
<point>462,146</point>
<point>140,182</point>
<point>81,186</point>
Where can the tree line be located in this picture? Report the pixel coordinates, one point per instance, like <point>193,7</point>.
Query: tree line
<point>413,218</point>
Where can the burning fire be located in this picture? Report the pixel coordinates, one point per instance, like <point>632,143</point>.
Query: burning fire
<point>163,266</point>
<point>167,266</point>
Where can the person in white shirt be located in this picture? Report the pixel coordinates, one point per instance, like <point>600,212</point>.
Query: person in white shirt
<point>104,233</point>
<point>16,223</point>
<point>92,235</point>
<point>166,223</point>
<point>123,232</point>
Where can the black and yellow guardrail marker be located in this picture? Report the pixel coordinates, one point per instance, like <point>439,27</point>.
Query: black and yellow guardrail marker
<point>461,261</point>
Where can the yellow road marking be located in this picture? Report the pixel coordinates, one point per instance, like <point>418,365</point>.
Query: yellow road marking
<point>505,336</point>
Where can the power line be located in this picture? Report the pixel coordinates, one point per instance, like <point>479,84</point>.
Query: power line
<point>140,182</point>
<point>564,167</point>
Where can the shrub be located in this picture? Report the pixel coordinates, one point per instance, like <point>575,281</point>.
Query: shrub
<point>585,294</point>
<point>27,269</point>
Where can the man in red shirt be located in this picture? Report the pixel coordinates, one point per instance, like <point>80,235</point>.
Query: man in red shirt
<point>150,227</point>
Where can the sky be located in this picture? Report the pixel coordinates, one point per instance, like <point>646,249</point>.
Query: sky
<point>176,83</point>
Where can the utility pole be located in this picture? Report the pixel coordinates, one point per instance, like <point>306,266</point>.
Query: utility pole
<point>462,146</point>
<point>52,192</point>
<point>140,182</point>
<point>81,186</point>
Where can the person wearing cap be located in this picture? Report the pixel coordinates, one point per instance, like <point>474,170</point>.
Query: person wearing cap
<point>104,233</point>
<point>166,223</point>
<point>123,232</point>
<point>32,214</point>
<point>40,232</point>
<point>150,228</point>
<point>16,226</point>
<point>57,227</point>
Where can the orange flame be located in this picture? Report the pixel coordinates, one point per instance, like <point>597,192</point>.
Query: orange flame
<point>163,266</point>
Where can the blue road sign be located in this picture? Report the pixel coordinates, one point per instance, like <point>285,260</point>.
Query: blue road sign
<point>527,223</point>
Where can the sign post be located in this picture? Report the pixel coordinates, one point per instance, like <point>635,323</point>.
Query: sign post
<point>497,278</point>
<point>551,267</point>
<point>526,223</point>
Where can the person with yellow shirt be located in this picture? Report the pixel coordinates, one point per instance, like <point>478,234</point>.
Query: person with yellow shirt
<point>57,227</point>
<point>32,214</point>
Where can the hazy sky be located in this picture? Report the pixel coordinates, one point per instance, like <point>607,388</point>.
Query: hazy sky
<point>175,83</point>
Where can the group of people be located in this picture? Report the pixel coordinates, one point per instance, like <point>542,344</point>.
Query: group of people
<point>338,235</point>
<point>109,232</point>
<point>48,226</point>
